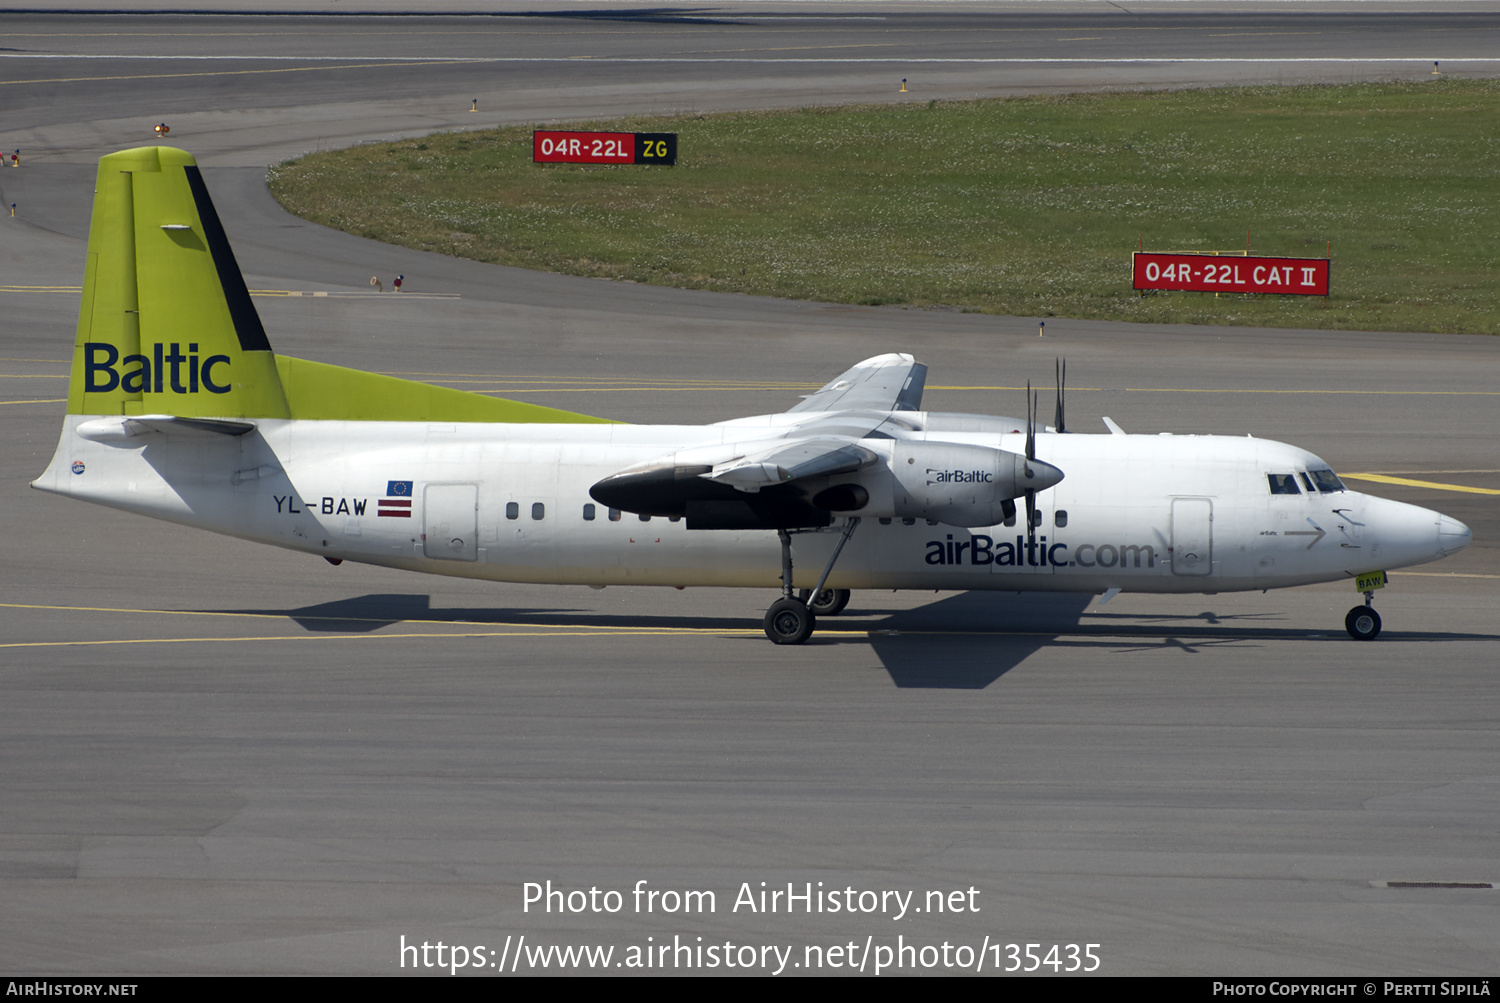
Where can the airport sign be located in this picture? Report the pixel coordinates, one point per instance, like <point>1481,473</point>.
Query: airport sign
<point>604,147</point>
<point>1215,273</point>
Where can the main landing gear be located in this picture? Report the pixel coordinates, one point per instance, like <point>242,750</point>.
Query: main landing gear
<point>1363,623</point>
<point>830,602</point>
<point>792,620</point>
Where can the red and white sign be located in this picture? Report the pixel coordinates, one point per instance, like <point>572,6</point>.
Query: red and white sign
<point>1213,273</point>
<point>583,147</point>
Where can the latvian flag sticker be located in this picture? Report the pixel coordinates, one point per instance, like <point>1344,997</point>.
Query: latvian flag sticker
<point>397,502</point>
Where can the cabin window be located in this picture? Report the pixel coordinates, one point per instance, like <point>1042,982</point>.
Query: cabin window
<point>885,520</point>
<point>512,510</point>
<point>645,517</point>
<point>674,518</point>
<point>588,513</point>
<point>1326,480</point>
<point>614,515</point>
<point>907,520</point>
<point>1060,518</point>
<point>1283,484</point>
<point>932,522</point>
<point>538,511</point>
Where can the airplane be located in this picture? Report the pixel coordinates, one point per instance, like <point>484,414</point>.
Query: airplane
<point>179,409</point>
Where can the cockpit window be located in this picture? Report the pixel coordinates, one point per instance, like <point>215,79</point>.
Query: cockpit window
<point>1283,484</point>
<point>1308,481</point>
<point>1326,480</point>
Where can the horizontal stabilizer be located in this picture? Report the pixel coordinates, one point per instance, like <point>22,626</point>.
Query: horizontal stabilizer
<point>115,429</point>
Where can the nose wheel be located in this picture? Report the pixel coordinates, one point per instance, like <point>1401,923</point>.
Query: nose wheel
<point>1363,623</point>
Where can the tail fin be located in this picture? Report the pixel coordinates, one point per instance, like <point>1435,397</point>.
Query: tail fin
<point>166,325</point>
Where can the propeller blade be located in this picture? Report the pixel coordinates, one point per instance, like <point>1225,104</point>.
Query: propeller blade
<point>1050,474</point>
<point>1031,403</point>
<point>1030,426</point>
<point>1061,369</point>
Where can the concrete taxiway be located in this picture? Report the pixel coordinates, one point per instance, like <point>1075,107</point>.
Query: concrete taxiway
<point>223,758</point>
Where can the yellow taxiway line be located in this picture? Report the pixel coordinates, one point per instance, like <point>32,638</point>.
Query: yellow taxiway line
<point>1412,483</point>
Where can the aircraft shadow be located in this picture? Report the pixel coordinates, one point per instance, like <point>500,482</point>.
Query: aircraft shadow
<point>969,640</point>
<point>982,635</point>
<point>363,614</point>
<point>963,641</point>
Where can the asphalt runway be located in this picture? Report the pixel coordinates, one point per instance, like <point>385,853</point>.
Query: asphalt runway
<point>224,758</point>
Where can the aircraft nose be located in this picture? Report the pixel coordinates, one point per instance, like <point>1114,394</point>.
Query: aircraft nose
<point>1453,535</point>
<point>1043,476</point>
<point>1396,534</point>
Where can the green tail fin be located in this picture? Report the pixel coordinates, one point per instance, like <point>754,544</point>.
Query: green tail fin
<point>166,325</point>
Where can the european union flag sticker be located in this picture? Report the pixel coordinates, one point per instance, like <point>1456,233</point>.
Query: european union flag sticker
<point>398,489</point>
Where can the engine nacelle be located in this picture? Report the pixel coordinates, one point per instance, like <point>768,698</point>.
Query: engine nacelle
<point>955,483</point>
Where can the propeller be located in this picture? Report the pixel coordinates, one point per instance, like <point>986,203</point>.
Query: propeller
<point>1061,369</point>
<point>1031,406</point>
<point>1040,475</point>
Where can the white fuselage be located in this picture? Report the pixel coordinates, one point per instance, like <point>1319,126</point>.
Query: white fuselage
<point>510,502</point>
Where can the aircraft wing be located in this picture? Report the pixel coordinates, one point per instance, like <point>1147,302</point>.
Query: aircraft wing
<point>892,382</point>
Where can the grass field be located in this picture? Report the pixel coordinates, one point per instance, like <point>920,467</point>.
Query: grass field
<point>1027,206</point>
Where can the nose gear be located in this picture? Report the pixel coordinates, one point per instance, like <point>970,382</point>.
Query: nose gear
<point>1363,623</point>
